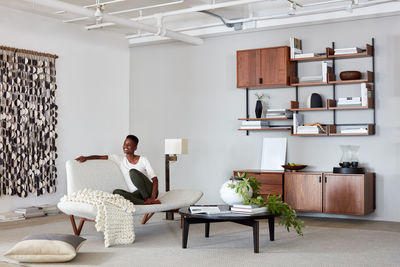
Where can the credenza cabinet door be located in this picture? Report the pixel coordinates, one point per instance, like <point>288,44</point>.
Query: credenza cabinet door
<point>248,68</point>
<point>348,194</point>
<point>303,191</point>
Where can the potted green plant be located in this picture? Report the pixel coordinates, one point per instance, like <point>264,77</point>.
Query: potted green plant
<point>273,202</point>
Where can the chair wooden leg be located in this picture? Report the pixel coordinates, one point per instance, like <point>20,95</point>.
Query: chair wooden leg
<point>72,219</point>
<point>77,230</point>
<point>147,217</point>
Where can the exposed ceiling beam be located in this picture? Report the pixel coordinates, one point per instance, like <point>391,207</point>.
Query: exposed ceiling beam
<point>56,4</point>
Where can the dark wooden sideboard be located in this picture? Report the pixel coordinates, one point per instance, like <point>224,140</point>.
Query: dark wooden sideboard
<point>352,194</point>
<point>271,181</point>
<point>326,192</point>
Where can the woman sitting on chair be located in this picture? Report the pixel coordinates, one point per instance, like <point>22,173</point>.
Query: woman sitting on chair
<point>136,170</point>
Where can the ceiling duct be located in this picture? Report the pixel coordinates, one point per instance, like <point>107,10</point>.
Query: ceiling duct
<point>237,26</point>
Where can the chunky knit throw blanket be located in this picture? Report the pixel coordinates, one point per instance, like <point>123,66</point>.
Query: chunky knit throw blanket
<point>114,215</point>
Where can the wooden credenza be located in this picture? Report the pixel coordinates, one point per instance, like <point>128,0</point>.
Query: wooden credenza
<point>330,192</point>
<point>271,181</point>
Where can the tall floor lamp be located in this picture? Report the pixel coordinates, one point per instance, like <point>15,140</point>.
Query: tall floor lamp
<point>173,147</point>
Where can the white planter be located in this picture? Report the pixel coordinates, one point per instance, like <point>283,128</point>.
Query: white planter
<point>229,196</point>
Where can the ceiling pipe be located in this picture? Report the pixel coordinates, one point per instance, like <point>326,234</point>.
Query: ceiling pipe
<point>98,25</point>
<point>146,7</point>
<point>190,10</point>
<point>56,4</point>
<point>104,3</point>
<point>314,11</point>
<point>177,30</point>
<point>278,16</point>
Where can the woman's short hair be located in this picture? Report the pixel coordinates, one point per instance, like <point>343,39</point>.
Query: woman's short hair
<point>133,138</point>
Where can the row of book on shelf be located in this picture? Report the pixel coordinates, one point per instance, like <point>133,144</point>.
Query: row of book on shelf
<point>326,67</point>
<point>270,114</point>
<point>300,128</point>
<point>29,212</point>
<point>296,50</point>
<point>239,208</point>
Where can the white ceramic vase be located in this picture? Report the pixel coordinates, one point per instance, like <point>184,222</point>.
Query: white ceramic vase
<point>229,196</point>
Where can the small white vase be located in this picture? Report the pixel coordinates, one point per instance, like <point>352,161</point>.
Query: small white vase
<point>229,195</point>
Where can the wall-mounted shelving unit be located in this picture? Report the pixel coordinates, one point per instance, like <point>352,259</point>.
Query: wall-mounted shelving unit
<point>286,64</point>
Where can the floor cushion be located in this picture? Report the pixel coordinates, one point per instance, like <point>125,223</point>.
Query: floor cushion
<point>46,248</point>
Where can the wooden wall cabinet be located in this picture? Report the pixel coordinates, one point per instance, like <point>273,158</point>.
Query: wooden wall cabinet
<point>330,192</point>
<point>271,182</point>
<point>264,67</point>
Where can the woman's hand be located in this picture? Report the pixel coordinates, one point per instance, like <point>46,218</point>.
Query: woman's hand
<point>81,159</point>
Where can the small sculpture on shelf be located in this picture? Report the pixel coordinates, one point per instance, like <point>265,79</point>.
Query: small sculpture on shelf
<point>260,104</point>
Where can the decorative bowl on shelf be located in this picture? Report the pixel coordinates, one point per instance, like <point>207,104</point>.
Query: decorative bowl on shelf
<point>350,75</point>
<point>294,168</point>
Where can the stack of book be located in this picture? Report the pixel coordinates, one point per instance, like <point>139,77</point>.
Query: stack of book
<point>279,113</point>
<point>366,93</point>
<point>345,51</point>
<point>298,120</point>
<point>49,209</point>
<point>207,209</point>
<point>354,129</point>
<point>30,212</point>
<point>248,209</point>
<point>326,67</point>
<point>305,55</point>
<point>11,216</point>
<point>349,101</point>
<point>249,125</point>
<point>310,79</point>
<point>308,129</point>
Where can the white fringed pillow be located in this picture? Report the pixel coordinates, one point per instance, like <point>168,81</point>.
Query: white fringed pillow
<point>46,248</point>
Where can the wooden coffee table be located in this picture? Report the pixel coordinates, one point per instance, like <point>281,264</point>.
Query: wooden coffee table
<point>249,220</point>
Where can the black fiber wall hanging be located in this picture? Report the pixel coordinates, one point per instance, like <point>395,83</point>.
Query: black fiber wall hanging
<point>28,119</point>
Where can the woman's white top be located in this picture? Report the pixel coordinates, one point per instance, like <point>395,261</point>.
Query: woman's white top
<point>143,165</point>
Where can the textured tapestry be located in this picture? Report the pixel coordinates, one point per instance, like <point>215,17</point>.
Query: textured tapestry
<point>28,119</point>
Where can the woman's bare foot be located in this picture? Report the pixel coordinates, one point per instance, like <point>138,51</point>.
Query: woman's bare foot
<point>151,200</point>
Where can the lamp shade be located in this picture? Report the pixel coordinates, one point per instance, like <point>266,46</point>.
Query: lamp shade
<point>176,146</point>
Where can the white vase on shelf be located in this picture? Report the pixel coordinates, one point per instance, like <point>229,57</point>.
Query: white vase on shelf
<point>229,195</point>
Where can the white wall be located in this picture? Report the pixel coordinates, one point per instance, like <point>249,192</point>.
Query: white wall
<point>179,90</point>
<point>93,88</point>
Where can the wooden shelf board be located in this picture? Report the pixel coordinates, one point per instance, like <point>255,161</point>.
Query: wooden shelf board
<point>309,84</point>
<point>348,134</point>
<point>355,55</point>
<point>309,109</point>
<point>349,81</point>
<point>309,58</point>
<point>350,108</point>
<point>268,129</point>
<point>321,134</point>
<point>263,119</point>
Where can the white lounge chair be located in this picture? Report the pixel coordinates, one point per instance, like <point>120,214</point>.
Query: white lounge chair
<point>105,175</point>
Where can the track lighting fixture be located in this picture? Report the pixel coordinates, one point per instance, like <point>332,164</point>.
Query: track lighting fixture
<point>292,8</point>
